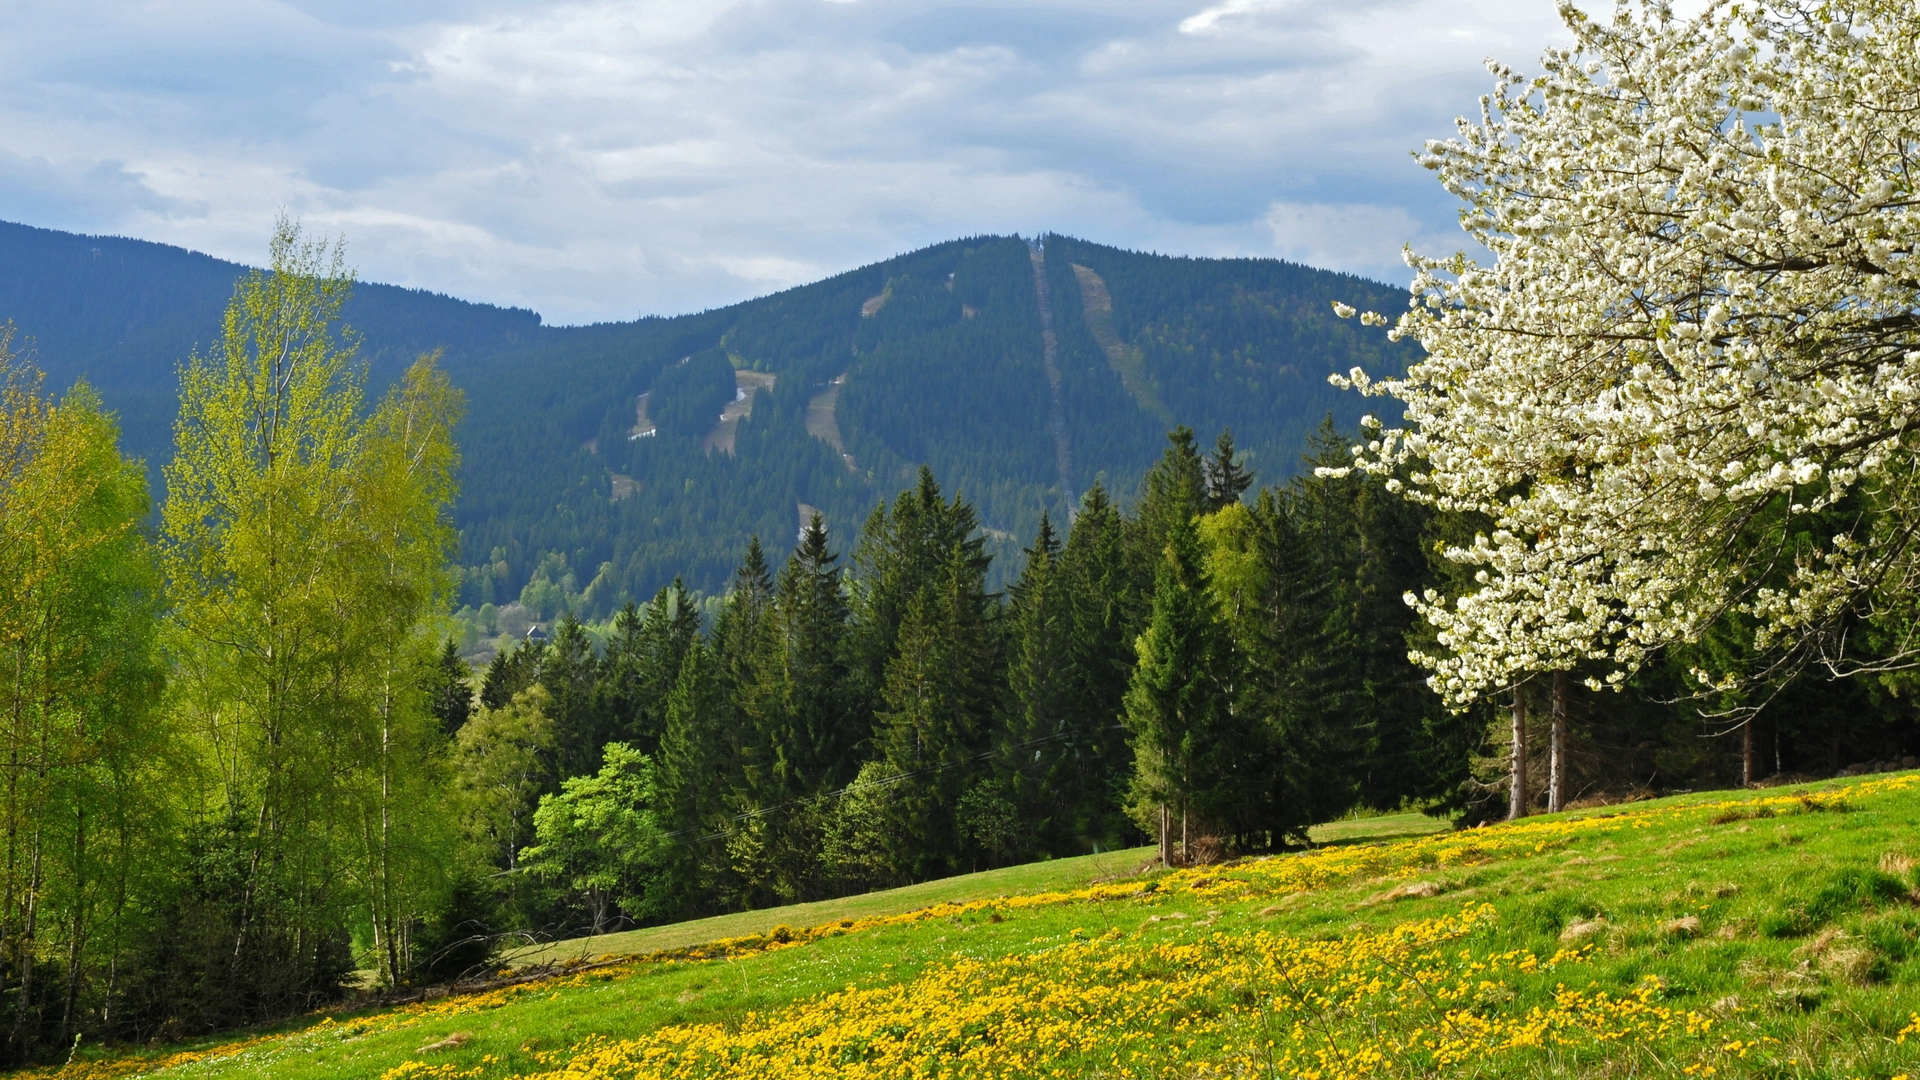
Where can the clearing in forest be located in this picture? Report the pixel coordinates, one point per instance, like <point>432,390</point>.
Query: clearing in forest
<point>823,420</point>
<point>1127,362</point>
<point>746,385</point>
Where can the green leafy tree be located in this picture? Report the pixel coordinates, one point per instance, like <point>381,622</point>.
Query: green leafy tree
<point>86,801</point>
<point>601,836</point>
<point>303,544</point>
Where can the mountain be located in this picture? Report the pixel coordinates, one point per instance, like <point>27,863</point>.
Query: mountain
<point>601,461</point>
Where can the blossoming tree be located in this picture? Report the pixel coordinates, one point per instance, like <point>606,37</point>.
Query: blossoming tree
<point>1684,383</point>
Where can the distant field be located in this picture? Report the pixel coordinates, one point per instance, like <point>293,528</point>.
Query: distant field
<point>1053,876</point>
<point>1754,934</point>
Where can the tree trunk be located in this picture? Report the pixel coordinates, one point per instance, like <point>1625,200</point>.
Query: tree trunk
<point>1746,754</point>
<point>1517,795</point>
<point>1557,747</point>
<point>1166,837</point>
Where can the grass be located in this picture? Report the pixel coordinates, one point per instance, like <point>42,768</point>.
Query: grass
<point>1762,934</point>
<point>1052,876</point>
<point>1055,875</point>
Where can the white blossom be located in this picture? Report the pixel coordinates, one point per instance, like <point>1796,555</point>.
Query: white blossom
<point>1696,319</point>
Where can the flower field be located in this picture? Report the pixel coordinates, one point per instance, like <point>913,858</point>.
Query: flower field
<point>1739,934</point>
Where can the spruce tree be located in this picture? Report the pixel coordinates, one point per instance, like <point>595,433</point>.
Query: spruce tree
<point>1226,478</point>
<point>641,666</point>
<point>449,692</point>
<point>1106,612</point>
<point>938,704</point>
<point>1177,712</point>
<point>698,762</point>
<point>804,726</point>
<point>568,670</point>
<point>903,549</point>
<point>1041,751</point>
<point>511,670</point>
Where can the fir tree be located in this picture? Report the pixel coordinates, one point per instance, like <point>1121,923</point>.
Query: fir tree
<point>449,693</point>
<point>938,702</point>
<point>1226,478</point>
<point>568,670</point>
<point>1176,704</point>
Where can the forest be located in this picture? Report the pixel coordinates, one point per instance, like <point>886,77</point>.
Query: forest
<point>251,773</point>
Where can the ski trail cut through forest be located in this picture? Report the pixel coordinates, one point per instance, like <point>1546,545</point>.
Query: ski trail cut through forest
<point>1049,346</point>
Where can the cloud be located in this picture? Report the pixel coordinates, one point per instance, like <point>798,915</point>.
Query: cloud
<point>596,159</point>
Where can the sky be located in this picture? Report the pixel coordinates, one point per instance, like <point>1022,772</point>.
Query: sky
<point>599,161</point>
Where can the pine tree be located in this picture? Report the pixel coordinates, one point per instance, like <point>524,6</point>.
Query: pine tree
<point>569,670</point>
<point>938,705</point>
<point>1176,705</point>
<point>1226,478</point>
<point>805,727</point>
<point>449,693</point>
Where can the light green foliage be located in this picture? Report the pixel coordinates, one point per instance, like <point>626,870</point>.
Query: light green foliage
<point>601,835</point>
<point>304,543</point>
<point>501,765</point>
<point>85,795</point>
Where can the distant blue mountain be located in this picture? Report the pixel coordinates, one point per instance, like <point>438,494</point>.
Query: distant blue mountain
<point>938,356</point>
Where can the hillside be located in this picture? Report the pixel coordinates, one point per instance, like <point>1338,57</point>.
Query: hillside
<point>932,357</point>
<point>1730,934</point>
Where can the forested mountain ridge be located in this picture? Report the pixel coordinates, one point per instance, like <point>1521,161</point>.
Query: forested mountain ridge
<point>931,357</point>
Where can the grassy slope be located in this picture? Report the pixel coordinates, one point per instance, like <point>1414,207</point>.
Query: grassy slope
<point>1055,876</point>
<point>1559,946</point>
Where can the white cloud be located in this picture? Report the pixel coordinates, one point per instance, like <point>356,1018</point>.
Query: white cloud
<point>602,158</point>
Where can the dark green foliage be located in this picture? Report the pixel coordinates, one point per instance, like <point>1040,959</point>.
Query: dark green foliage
<point>945,371</point>
<point>687,397</point>
<point>569,671</point>
<point>449,691</point>
<point>1188,754</point>
<point>509,673</point>
<point>642,665</point>
<point>936,707</point>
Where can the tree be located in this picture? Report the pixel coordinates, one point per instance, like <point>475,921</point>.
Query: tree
<point>86,804</point>
<point>938,702</point>
<point>903,549</point>
<point>642,665</point>
<point>403,486</point>
<point>304,545</point>
<point>501,766</point>
<point>570,671</point>
<point>1107,612</point>
<point>1226,478</point>
<point>601,835</point>
<point>1178,702</point>
<point>805,722</point>
<point>1693,343</point>
<point>449,693</point>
